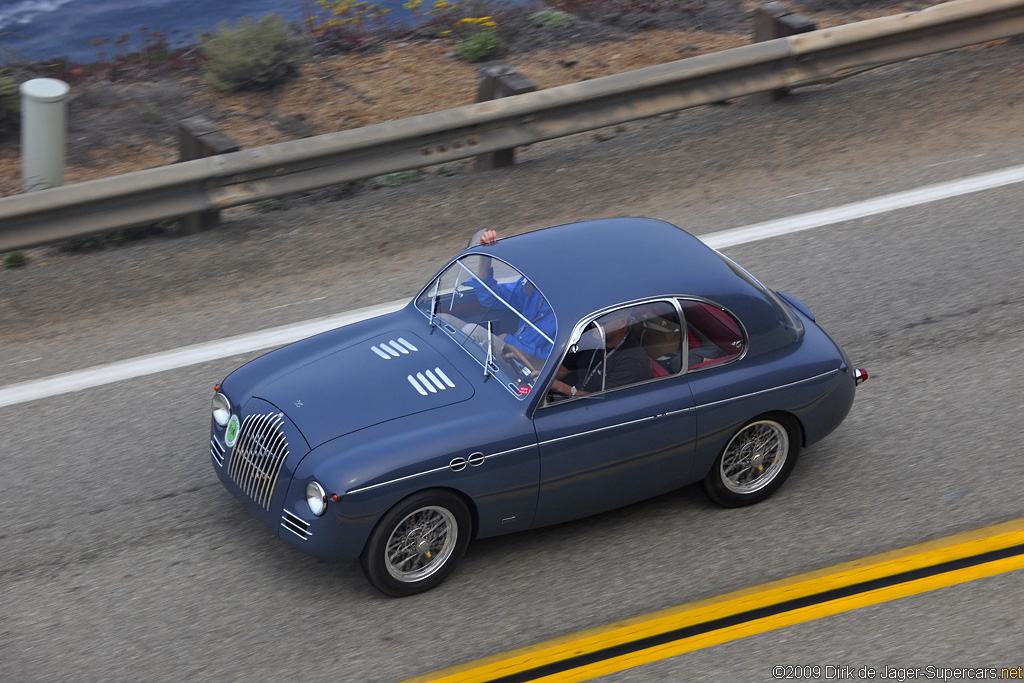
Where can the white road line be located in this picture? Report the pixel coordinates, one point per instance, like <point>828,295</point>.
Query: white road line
<point>869,207</point>
<point>297,303</point>
<point>21,362</point>
<point>801,194</point>
<point>955,161</point>
<point>257,341</point>
<point>183,357</point>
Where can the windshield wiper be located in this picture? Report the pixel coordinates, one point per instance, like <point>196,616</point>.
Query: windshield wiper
<point>433,302</point>
<point>490,353</point>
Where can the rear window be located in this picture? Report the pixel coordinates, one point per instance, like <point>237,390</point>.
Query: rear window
<point>713,336</point>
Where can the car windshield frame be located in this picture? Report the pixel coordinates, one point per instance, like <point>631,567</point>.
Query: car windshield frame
<point>492,310</point>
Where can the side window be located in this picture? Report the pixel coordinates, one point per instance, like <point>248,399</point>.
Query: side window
<point>626,346</point>
<point>712,335</point>
<point>658,329</point>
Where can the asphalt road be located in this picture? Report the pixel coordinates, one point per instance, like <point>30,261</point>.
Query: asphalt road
<point>122,558</point>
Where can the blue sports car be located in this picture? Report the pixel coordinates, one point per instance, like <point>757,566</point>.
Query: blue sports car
<point>536,379</point>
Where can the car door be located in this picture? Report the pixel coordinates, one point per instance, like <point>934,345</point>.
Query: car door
<point>619,444</point>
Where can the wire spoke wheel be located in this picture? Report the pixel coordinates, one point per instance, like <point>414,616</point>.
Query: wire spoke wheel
<point>755,461</point>
<point>417,543</point>
<point>754,457</point>
<point>421,544</point>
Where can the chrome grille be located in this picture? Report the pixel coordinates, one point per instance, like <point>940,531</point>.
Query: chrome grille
<point>217,451</point>
<point>258,455</point>
<point>295,524</point>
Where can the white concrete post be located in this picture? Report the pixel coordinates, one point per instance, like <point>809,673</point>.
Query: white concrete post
<point>43,133</point>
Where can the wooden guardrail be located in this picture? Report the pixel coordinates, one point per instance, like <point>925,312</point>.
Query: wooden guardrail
<point>246,176</point>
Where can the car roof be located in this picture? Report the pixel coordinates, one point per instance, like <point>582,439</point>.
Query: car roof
<point>587,266</point>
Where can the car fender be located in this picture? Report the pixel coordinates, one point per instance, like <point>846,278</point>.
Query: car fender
<point>487,456</point>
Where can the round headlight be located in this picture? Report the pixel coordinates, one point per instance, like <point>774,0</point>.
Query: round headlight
<point>316,497</point>
<point>221,409</point>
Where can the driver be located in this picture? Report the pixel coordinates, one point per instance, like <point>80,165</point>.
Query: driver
<point>626,360</point>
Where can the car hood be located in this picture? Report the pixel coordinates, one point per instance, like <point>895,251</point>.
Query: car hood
<point>366,383</point>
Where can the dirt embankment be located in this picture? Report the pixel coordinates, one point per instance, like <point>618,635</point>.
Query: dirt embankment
<point>118,127</point>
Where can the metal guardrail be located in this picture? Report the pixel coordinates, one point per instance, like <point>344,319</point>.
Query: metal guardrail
<point>227,180</point>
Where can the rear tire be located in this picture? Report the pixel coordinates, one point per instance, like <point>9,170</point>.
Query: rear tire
<point>755,462</point>
<point>417,543</point>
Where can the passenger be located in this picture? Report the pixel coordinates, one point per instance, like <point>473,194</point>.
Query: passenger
<point>526,343</point>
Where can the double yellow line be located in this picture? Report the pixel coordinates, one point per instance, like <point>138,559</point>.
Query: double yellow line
<point>694,626</point>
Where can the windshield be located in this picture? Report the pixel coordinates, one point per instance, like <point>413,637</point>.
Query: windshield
<point>497,315</point>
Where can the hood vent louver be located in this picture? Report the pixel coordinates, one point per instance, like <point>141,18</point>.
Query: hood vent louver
<point>430,382</point>
<point>393,348</point>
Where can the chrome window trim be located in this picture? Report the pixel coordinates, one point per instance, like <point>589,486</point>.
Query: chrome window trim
<point>684,338</point>
<point>580,327</point>
<point>735,318</point>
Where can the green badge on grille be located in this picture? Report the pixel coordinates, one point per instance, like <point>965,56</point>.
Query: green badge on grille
<point>231,431</point>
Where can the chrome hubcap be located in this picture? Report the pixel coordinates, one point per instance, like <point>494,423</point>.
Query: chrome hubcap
<point>421,544</point>
<point>754,457</point>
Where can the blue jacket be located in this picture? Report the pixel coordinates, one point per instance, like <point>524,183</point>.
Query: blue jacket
<point>533,306</point>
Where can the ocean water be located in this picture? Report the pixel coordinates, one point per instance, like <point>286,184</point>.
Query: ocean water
<point>44,29</point>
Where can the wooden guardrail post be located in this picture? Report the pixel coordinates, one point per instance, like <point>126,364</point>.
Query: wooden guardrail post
<point>495,81</point>
<point>199,137</point>
<point>771,21</point>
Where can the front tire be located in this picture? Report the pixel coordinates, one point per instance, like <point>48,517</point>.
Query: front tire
<point>756,461</point>
<point>417,543</point>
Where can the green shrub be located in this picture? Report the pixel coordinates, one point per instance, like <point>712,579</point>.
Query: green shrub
<point>552,19</point>
<point>10,106</point>
<point>251,56</point>
<point>15,259</point>
<point>400,178</point>
<point>268,205</point>
<point>479,46</point>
